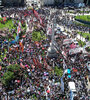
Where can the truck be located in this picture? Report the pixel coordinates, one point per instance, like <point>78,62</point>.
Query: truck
<point>72,90</point>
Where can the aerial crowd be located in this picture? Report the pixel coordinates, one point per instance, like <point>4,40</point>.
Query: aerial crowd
<point>41,82</point>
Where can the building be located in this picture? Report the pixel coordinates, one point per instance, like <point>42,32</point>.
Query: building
<point>12,2</point>
<point>51,2</point>
<point>32,2</point>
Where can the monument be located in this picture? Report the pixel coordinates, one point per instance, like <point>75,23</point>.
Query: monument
<point>52,52</point>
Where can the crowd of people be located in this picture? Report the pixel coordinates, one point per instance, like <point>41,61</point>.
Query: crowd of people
<point>68,21</point>
<point>41,82</point>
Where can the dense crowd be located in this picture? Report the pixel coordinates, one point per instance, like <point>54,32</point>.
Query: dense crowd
<point>42,82</point>
<point>69,22</point>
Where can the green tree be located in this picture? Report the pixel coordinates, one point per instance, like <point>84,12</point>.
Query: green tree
<point>58,71</point>
<point>38,35</point>
<point>12,72</point>
<point>13,68</point>
<point>7,78</point>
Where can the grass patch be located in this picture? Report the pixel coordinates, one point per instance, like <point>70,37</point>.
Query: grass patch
<point>58,71</point>
<point>84,18</point>
<point>38,36</point>
<point>8,24</point>
<point>85,35</point>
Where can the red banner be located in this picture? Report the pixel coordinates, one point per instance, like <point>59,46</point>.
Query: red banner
<point>35,63</point>
<point>21,46</point>
<point>4,19</point>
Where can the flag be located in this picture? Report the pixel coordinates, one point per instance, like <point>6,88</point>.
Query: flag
<point>45,63</point>
<point>41,21</point>
<point>21,46</point>
<point>4,19</point>
<point>36,14</point>
<point>35,63</point>
<point>38,17</point>
<point>25,14</point>
<point>17,38</point>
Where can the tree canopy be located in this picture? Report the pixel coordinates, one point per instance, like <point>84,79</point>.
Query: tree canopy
<point>14,67</point>
<point>10,74</point>
<point>7,78</point>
